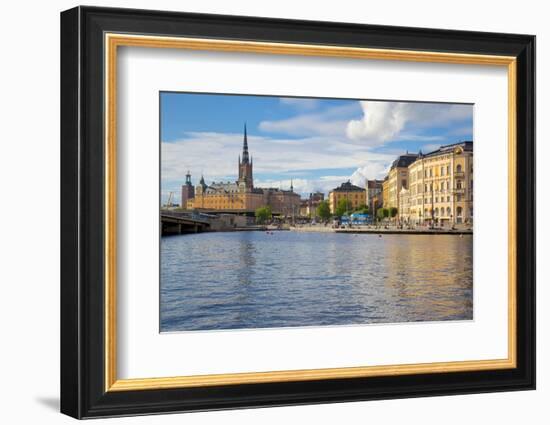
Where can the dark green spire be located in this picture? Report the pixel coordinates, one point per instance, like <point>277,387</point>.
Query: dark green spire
<point>245,147</point>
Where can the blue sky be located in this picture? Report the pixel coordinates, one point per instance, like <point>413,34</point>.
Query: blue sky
<point>318,143</point>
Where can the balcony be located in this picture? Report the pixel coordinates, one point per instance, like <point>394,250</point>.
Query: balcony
<point>459,174</point>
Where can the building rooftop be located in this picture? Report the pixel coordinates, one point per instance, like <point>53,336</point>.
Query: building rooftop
<point>348,187</point>
<point>404,160</point>
<point>374,184</point>
<point>467,145</point>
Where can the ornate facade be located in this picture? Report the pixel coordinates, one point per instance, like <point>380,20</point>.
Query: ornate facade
<point>435,188</point>
<point>441,189</point>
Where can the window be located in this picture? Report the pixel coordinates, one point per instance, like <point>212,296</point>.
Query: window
<point>448,199</point>
<point>459,184</point>
<point>448,169</point>
<point>442,171</point>
<point>442,186</point>
<point>459,168</point>
<point>448,211</point>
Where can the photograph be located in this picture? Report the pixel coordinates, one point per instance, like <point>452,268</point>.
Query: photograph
<point>280,211</point>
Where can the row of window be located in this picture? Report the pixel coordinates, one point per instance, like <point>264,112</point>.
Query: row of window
<point>443,170</point>
<point>441,188</point>
<point>446,212</point>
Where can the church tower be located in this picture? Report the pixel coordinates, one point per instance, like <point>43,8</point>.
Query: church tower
<point>245,181</point>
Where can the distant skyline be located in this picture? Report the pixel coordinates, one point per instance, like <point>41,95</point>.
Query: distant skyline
<point>316,143</point>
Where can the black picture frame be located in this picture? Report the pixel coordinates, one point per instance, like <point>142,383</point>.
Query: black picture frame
<point>83,392</point>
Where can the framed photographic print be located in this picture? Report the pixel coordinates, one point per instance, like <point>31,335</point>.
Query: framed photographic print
<point>261,212</point>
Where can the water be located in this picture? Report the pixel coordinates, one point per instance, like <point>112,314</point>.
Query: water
<point>242,280</point>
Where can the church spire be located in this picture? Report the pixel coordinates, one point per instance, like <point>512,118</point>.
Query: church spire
<point>245,146</point>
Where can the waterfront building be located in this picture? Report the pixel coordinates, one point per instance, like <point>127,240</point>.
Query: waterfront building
<point>441,186</point>
<point>187,190</point>
<point>308,207</point>
<point>354,194</point>
<point>240,195</point>
<point>374,195</point>
<point>398,178</point>
<point>385,192</point>
<point>304,208</point>
<point>404,205</point>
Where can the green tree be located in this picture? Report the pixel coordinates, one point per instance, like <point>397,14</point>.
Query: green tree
<point>393,212</point>
<point>362,209</point>
<point>344,205</point>
<point>263,214</point>
<point>323,210</point>
<point>382,213</point>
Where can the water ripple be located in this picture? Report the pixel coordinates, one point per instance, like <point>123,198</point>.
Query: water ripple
<point>255,280</point>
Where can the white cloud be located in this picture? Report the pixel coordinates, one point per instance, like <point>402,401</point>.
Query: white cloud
<point>215,155</point>
<point>385,121</point>
<point>304,186</point>
<point>328,122</point>
<point>381,122</point>
<point>370,171</point>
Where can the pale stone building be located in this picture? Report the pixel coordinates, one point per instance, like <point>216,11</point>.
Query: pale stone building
<point>441,186</point>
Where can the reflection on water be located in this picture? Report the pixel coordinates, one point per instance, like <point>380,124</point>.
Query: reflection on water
<point>256,280</point>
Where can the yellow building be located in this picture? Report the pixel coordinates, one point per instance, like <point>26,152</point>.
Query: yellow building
<point>441,186</point>
<point>374,194</point>
<point>225,196</point>
<point>354,194</point>
<point>398,178</point>
<point>385,192</point>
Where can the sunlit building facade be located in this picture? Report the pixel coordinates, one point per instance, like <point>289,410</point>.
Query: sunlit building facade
<point>355,195</point>
<point>441,186</point>
<point>398,178</point>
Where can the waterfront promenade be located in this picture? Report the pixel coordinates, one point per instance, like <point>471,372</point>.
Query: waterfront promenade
<point>391,230</point>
